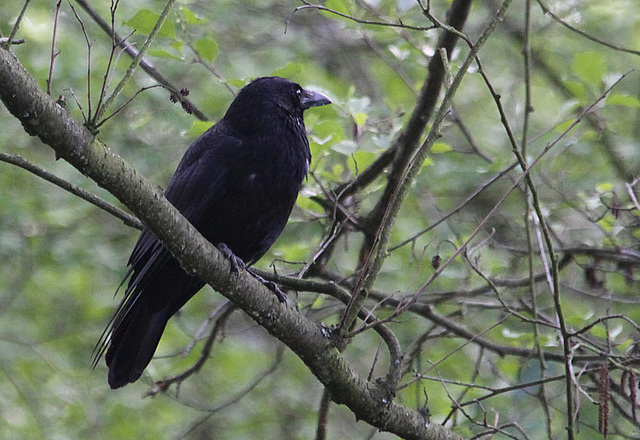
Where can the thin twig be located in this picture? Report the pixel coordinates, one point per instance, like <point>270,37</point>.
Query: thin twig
<point>53,45</point>
<point>584,34</point>
<point>89,44</point>
<point>161,386</point>
<point>16,25</point>
<point>515,185</point>
<point>458,208</point>
<point>134,64</point>
<point>378,250</point>
<point>400,24</point>
<point>133,53</point>
<point>126,103</point>
<point>323,414</point>
<point>127,218</point>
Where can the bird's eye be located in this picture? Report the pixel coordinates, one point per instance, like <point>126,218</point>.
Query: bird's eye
<point>299,92</point>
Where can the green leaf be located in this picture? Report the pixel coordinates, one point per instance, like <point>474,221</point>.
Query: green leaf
<point>624,345</point>
<point>238,82</point>
<point>607,222</point>
<point>207,48</point>
<point>604,187</point>
<point>576,88</point>
<point>308,204</point>
<point>360,119</point>
<point>346,147</point>
<point>144,20</point>
<point>177,45</point>
<point>440,147</point>
<point>197,128</point>
<point>589,136</point>
<point>159,53</point>
<point>623,100</point>
<point>599,332</point>
<point>340,6</point>
<point>361,160</point>
<point>590,67</point>
<point>190,17</point>
<point>291,69</point>
<point>329,127</point>
<point>562,127</point>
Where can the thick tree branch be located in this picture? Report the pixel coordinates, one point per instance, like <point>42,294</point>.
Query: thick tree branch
<point>313,343</point>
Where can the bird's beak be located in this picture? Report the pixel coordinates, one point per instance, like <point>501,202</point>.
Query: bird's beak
<point>313,99</point>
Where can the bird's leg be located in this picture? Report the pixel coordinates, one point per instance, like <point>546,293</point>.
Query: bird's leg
<point>270,285</point>
<point>237,265</point>
<point>236,262</point>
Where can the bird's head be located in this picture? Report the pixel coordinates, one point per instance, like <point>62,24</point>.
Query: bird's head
<point>272,95</point>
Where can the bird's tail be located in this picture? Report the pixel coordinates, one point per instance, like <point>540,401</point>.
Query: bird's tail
<point>133,342</point>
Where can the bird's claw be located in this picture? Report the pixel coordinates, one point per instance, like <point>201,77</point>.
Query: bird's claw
<point>237,265</point>
<point>282,297</point>
<point>236,262</point>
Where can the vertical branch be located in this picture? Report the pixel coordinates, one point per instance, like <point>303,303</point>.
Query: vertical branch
<point>554,284</point>
<point>53,45</point>
<point>529,210</point>
<point>553,271</point>
<point>114,45</point>
<point>89,44</point>
<point>323,414</point>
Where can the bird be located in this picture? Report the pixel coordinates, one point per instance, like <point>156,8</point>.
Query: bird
<point>237,185</point>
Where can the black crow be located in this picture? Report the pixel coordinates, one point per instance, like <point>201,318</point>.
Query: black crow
<point>237,185</point>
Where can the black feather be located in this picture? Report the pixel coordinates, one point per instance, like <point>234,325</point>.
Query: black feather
<point>237,185</point>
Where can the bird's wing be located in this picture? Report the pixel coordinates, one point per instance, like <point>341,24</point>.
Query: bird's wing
<point>200,176</point>
<point>196,184</point>
<point>198,181</point>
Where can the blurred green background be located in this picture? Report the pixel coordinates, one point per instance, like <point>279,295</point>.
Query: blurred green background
<point>63,258</point>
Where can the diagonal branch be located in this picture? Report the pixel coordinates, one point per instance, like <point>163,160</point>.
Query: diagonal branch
<point>18,161</point>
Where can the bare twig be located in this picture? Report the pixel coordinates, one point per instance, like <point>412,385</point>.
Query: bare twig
<point>134,64</point>
<point>515,185</point>
<point>458,208</point>
<point>308,5</point>
<point>374,249</point>
<point>89,116</point>
<point>584,34</point>
<point>323,414</point>
<point>162,386</point>
<point>54,54</point>
<point>133,53</point>
<point>16,25</point>
<point>127,218</point>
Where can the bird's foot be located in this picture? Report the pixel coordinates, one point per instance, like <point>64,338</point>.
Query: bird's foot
<point>236,262</point>
<point>282,297</point>
<point>237,265</point>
